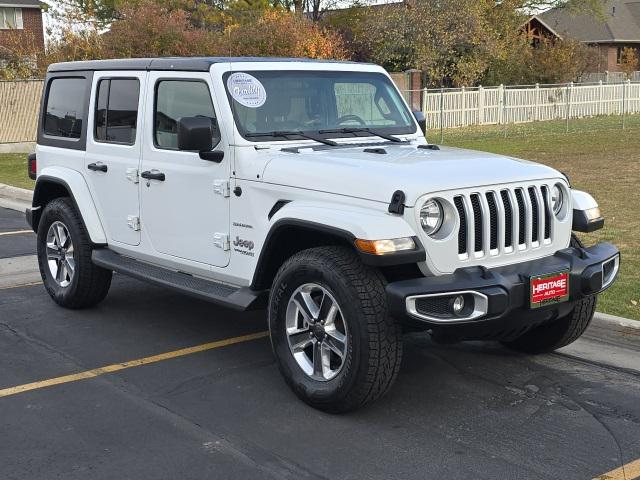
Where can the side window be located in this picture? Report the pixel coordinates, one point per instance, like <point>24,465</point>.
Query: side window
<point>65,110</point>
<point>176,99</point>
<point>116,115</point>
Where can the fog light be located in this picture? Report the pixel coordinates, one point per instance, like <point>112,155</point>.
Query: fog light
<point>458,305</point>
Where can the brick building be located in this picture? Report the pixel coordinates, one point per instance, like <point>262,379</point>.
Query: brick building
<point>616,29</point>
<point>21,20</point>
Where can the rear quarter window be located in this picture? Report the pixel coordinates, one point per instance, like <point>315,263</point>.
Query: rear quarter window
<point>64,110</point>
<point>65,114</point>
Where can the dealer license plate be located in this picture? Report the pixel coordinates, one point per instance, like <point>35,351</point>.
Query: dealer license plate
<point>549,288</point>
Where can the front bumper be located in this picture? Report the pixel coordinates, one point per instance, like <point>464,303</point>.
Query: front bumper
<point>502,295</point>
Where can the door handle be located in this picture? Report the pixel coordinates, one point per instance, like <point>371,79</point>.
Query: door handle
<point>98,167</point>
<point>153,175</point>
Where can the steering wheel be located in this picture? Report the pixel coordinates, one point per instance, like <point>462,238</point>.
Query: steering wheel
<point>351,118</point>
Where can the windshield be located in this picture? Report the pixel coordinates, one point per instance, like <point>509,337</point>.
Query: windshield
<point>325,104</point>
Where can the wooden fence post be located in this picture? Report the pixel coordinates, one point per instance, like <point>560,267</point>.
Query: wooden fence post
<point>537,114</point>
<point>464,106</point>
<point>480,105</point>
<point>600,91</point>
<point>625,95</point>
<point>441,115</point>
<point>501,118</point>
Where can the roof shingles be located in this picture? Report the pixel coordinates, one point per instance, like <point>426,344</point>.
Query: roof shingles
<point>22,3</point>
<point>621,23</point>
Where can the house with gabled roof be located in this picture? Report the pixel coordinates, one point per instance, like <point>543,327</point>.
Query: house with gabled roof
<point>617,28</point>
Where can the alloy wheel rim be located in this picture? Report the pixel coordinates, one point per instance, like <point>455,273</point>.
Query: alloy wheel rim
<point>317,332</point>
<point>60,253</point>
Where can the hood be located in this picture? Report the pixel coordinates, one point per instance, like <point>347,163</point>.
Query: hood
<point>375,176</point>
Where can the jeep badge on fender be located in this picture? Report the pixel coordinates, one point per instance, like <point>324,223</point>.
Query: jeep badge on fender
<point>243,243</point>
<point>358,226</point>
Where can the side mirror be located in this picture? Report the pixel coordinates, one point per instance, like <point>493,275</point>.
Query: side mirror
<point>422,120</point>
<point>196,134</point>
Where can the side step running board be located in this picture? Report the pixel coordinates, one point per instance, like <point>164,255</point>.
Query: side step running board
<point>233,297</point>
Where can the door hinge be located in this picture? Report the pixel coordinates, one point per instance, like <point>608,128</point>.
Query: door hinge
<point>133,175</point>
<point>222,187</point>
<point>133,222</point>
<point>221,240</point>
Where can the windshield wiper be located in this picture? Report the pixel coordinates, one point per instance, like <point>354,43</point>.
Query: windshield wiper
<point>287,134</point>
<point>356,130</point>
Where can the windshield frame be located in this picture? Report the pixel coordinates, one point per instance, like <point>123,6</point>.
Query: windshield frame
<point>411,129</point>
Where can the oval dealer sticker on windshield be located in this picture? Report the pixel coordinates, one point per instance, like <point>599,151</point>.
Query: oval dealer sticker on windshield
<point>246,90</point>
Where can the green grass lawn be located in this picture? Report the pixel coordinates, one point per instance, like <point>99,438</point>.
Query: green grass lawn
<point>13,170</point>
<point>604,162</point>
<point>598,156</point>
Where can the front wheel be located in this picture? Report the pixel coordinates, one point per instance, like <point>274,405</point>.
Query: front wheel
<point>336,345</point>
<point>560,332</point>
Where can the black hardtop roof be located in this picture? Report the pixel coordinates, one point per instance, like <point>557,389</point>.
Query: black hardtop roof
<point>191,64</point>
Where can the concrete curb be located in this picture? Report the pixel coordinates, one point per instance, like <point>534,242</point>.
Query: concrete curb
<point>18,147</point>
<point>617,321</point>
<point>15,198</point>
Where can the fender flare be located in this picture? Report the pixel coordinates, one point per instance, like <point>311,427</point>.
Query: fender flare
<point>75,185</point>
<point>586,213</point>
<point>582,200</point>
<point>344,223</point>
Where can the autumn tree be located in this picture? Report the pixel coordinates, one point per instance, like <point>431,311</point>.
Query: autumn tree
<point>466,42</point>
<point>20,56</point>
<point>281,33</point>
<point>629,61</point>
<point>451,40</point>
<point>149,30</point>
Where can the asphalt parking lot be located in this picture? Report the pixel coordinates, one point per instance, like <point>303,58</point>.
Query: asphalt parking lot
<point>222,411</point>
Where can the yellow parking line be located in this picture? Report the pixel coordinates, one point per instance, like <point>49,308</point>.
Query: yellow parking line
<point>630,471</point>
<point>21,285</point>
<point>17,232</point>
<point>96,372</point>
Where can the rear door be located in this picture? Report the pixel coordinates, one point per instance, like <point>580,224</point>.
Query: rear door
<point>114,148</point>
<point>185,214</point>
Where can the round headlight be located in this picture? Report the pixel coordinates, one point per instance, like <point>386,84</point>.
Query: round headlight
<point>557,198</point>
<point>431,215</point>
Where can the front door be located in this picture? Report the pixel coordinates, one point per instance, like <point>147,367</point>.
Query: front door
<point>113,152</point>
<point>185,206</point>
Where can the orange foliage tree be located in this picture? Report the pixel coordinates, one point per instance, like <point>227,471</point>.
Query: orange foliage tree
<point>147,29</point>
<point>281,33</point>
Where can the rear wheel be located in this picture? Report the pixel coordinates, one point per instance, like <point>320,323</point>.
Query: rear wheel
<point>64,258</point>
<point>560,332</point>
<point>336,345</point>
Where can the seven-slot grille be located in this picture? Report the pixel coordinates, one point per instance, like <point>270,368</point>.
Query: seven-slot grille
<point>503,220</point>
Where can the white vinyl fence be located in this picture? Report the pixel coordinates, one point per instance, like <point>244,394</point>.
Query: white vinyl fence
<point>461,107</point>
<point>609,77</point>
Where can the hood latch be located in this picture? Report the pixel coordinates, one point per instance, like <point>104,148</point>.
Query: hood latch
<point>397,202</point>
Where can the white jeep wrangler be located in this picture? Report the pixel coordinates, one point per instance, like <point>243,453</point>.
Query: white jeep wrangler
<point>306,187</point>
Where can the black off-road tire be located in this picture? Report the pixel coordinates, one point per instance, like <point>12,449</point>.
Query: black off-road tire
<point>90,283</point>
<point>374,349</point>
<point>560,332</point>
